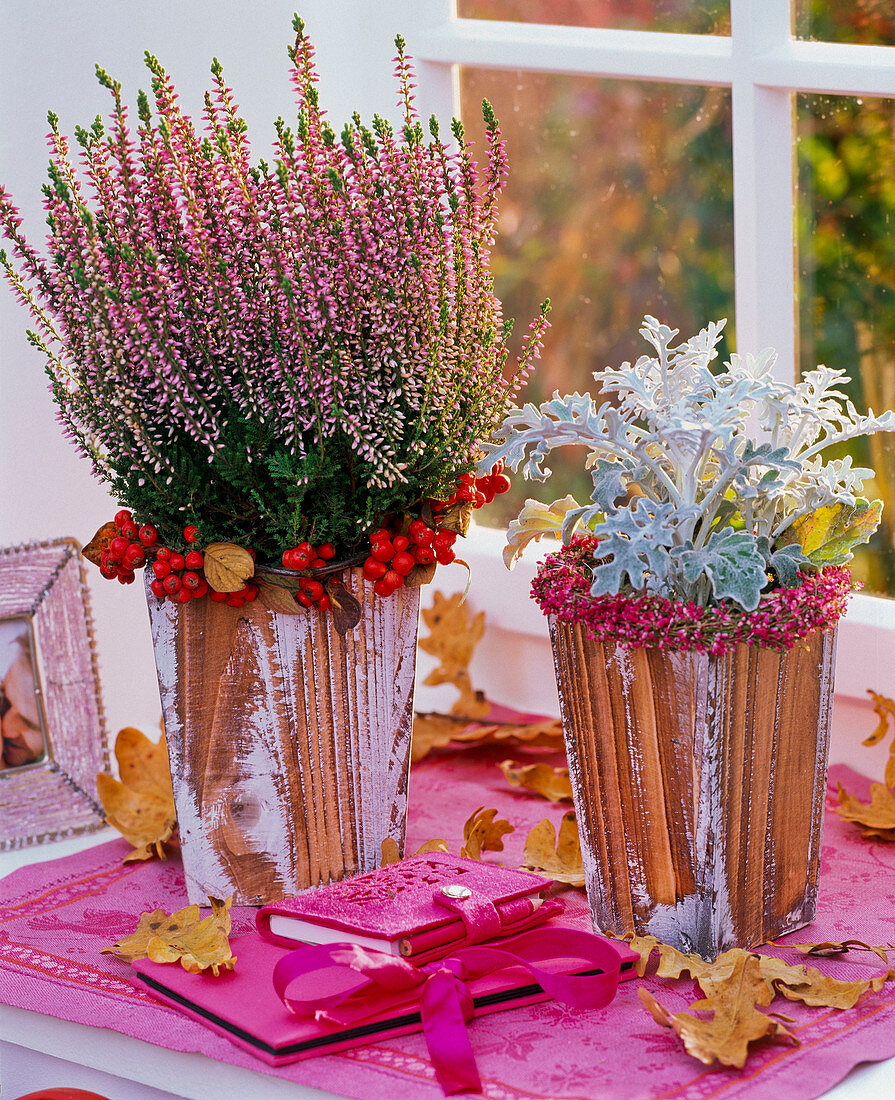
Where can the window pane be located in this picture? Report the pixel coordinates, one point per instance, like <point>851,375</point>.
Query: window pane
<point>865,22</point>
<point>679,16</point>
<point>618,204</point>
<point>846,239</point>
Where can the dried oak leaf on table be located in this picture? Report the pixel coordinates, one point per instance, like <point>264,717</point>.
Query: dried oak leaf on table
<point>183,936</point>
<point>481,833</point>
<point>550,783</point>
<point>558,857</point>
<point>876,817</point>
<point>885,711</point>
<point>453,636</point>
<point>141,805</point>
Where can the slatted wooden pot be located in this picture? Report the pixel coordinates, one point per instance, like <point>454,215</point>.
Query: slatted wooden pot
<point>699,785</point>
<point>289,744</point>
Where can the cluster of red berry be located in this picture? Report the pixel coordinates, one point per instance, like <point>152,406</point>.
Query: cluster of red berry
<point>477,491</point>
<point>394,556</point>
<point>127,550</point>
<point>311,592</point>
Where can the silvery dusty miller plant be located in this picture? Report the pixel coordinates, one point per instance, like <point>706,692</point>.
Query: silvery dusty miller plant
<point>686,503</point>
<point>270,353</point>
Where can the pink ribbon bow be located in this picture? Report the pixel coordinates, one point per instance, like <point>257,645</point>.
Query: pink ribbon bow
<point>361,983</point>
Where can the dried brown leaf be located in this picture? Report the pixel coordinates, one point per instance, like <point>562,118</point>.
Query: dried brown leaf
<point>453,636</point>
<point>276,597</point>
<point>736,1021</point>
<point>183,936</point>
<point>141,805</point>
<point>550,783</point>
<point>345,609</point>
<point>100,542</point>
<point>546,734</point>
<point>482,833</point>
<point>877,818</point>
<point>829,948</point>
<point>227,566</point>
<point>389,852</point>
<point>558,857</point>
<point>885,710</point>
<point>437,845</point>
<point>811,987</point>
<point>420,575</point>
<point>457,518</point>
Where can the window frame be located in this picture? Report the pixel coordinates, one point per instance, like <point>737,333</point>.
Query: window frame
<point>763,65</point>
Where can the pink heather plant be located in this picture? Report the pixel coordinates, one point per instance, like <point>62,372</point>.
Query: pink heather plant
<point>270,353</point>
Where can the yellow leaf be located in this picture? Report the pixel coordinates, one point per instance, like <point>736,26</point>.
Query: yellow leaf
<point>550,783</point>
<point>811,987</point>
<point>437,845</point>
<point>276,598</point>
<point>389,852</point>
<point>735,1022</point>
<point>227,566</point>
<point>556,857</point>
<point>533,522</point>
<point>453,637</point>
<point>828,534</point>
<point>482,833</point>
<point>884,709</point>
<point>141,805</point>
<point>876,817</point>
<point>832,947</point>
<point>198,944</point>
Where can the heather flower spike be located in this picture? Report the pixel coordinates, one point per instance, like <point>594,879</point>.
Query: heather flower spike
<point>270,352</point>
<point>687,505</point>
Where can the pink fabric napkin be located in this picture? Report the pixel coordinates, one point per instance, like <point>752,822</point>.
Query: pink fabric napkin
<point>55,917</point>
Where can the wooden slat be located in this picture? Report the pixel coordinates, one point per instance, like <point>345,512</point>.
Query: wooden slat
<point>281,781</point>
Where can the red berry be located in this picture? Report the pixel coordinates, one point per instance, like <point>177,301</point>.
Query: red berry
<point>123,517</point>
<point>190,533</point>
<point>134,556</point>
<point>158,589</point>
<point>234,599</point>
<point>313,588</point>
<point>465,494</point>
<point>109,570</point>
<point>318,563</point>
<point>393,578</point>
<point>497,468</point>
<point>118,545</point>
<point>177,561</point>
<point>287,559</point>
<point>324,603</point>
<point>421,535</point>
<point>480,500</point>
<point>164,553</point>
<point>374,569</point>
<point>129,531</point>
<point>304,599</point>
<point>184,595</point>
<point>444,540</point>
<point>191,580</point>
<point>424,555</point>
<point>217,597</point>
<point>148,535</point>
<point>326,550</point>
<point>172,583</point>
<point>383,551</point>
<point>379,535</point>
<point>300,561</point>
<point>161,569</point>
<point>307,549</point>
<point>201,590</point>
<point>194,560</point>
<point>500,483</point>
<point>445,557</point>
<point>402,563</point>
<point>400,542</point>
<point>126,578</point>
<point>382,587</point>
<point>251,591</point>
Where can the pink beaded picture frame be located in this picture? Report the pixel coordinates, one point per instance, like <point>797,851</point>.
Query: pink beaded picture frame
<point>54,738</point>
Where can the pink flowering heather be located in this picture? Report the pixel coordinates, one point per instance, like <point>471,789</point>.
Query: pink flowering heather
<point>562,588</point>
<point>270,352</point>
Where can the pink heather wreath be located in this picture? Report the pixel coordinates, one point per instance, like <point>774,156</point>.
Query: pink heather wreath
<point>562,588</point>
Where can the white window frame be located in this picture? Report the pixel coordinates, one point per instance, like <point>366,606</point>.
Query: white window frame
<point>763,65</point>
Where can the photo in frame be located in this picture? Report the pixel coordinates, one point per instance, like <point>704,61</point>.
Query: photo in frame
<point>54,739</point>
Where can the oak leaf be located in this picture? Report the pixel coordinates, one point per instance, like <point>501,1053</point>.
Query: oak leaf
<point>100,541</point>
<point>141,804</point>
<point>550,783</point>
<point>558,857</point>
<point>481,833</point>
<point>227,566</point>
<point>808,985</point>
<point>432,730</point>
<point>183,936</point>
<point>453,636</point>
<point>828,948</point>
<point>388,852</point>
<point>876,817</point>
<point>436,845</point>
<point>885,710</point>
<point>736,1021</point>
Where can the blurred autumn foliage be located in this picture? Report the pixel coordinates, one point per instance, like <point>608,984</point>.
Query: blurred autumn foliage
<point>619,203</point>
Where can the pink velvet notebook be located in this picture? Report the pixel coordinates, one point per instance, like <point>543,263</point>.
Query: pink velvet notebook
<point>413,908</point>
<point>242,1005</point>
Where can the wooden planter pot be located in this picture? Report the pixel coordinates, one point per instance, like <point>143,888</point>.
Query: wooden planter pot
<point>699,785</point>
<point>289,744</point>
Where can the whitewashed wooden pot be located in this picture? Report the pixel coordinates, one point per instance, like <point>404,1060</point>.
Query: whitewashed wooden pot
<point>289,744</point>
<point>699,785</point>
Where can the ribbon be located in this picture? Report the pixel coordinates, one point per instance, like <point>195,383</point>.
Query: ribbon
<point>350,985</point>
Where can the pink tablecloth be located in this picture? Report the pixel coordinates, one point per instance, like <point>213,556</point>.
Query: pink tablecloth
<point>55,917</point>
